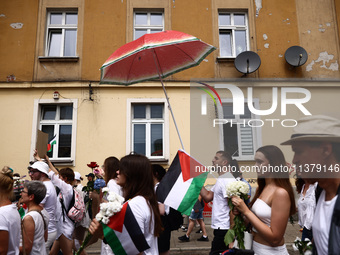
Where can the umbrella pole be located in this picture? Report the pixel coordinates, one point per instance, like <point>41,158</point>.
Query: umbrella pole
<point>167,98</point>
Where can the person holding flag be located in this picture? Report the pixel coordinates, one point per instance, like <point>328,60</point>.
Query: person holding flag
<point>136,179</point>
<point>220,219</point>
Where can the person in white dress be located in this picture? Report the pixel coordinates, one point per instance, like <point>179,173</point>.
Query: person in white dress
<point>36,219</point>
<point>9,215</point>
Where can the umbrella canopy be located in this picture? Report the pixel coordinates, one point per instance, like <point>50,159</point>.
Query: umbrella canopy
<point>153,56</point>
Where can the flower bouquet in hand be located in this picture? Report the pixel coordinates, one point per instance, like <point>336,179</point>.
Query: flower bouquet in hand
<point>304,247</point>
<point>240,189</point>
<point>107,209</point>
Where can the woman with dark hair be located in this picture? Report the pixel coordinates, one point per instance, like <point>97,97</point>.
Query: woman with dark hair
<point>272,204</point>
<point>135,177</point>
<point>9,215</point>
<point>111,166</point>
<point>63,180</point>
<point>36,220</point>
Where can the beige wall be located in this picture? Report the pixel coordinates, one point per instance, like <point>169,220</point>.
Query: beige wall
<point>101,124</point>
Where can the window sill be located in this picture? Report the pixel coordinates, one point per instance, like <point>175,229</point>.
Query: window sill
<point>158,160</point>
<point>225,59</point>
<point>58,59</point>
<point>63,162</point>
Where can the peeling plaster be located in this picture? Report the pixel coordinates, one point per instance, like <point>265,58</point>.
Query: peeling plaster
<point>2,15</point>
<point>265,37</point>
<point>17,25</point>
<point>280,55</point>
<point>328,24</point>
<point>325,58</point>
<point>308,31</point>
<point>258,4</point>
<point>322,30</point>
<point>309,67</point>
<point>266,45</point>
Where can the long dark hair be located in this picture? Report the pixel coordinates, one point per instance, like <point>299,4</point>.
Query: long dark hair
<point>111,165</point>
<point>139,182</point>
<point>276,158</point>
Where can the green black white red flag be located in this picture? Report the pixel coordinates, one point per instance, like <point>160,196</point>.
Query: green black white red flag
<point>123,233</point>
<point>181,185</point>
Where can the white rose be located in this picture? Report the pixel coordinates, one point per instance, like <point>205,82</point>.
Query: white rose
<point>99,216</point>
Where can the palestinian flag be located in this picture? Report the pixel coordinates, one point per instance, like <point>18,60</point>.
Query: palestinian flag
<point>181,185</point>
<point>51,142</point>
<point>123,234</point>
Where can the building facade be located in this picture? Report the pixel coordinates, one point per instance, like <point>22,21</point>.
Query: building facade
<point>51,52</point>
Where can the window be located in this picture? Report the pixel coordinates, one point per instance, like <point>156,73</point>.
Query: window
<point>61,34</point>
<point>147,23</point>
<point>57,120</point>
<point>233,33</point>
<point>148,128</point>
<point>242,137</point>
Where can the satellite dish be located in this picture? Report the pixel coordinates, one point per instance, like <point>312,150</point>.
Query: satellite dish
<point>296,56</point>
<point>247,62</point>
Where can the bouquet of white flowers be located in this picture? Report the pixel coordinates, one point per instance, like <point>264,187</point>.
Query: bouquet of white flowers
<point>304,247</point>
<point>107,209</point>
<point>240,189</point>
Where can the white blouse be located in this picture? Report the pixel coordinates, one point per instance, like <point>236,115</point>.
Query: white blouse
<point>306,206</point>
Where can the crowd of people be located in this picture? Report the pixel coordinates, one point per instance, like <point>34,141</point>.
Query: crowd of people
<point>45,228</point>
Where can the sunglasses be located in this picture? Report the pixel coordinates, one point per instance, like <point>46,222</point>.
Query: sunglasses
<point>32,171</point>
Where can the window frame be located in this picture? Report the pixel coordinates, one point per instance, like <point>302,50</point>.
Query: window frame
<point>256,136</point>
<point>148,27</point>
<point>37,110</point>
<point>232,28</point>
<point>60,27</point>
<point>130,122</point>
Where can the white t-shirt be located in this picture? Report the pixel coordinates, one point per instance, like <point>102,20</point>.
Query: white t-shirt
<point>66,226</point>
<point>113,186</point>
<point>10,221</point>
<point>141,211</point>
<point>322,223</point>
<point>306,206</point>
<point>38,247</point>
<point>50,205</point>
<point>220,209</point>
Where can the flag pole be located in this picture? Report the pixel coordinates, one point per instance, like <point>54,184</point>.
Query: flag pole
<point>166,96</point>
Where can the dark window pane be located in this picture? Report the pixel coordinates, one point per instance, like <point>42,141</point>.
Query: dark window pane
<point>156,111</point>
<point>65,137</point>
<point>139,139</point>
<point>157,140</point>
<point>66,112</point>
<point>230,139</point>
<point>139,111</point>
<point>49,129</point>
<point>48,112</point>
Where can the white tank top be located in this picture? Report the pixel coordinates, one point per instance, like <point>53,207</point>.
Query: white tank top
<point>262,211</point>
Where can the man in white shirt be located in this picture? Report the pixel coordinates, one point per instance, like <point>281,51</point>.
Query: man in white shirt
<point>39,171</point>
<point>316,145</point>
<point>220,219</point>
